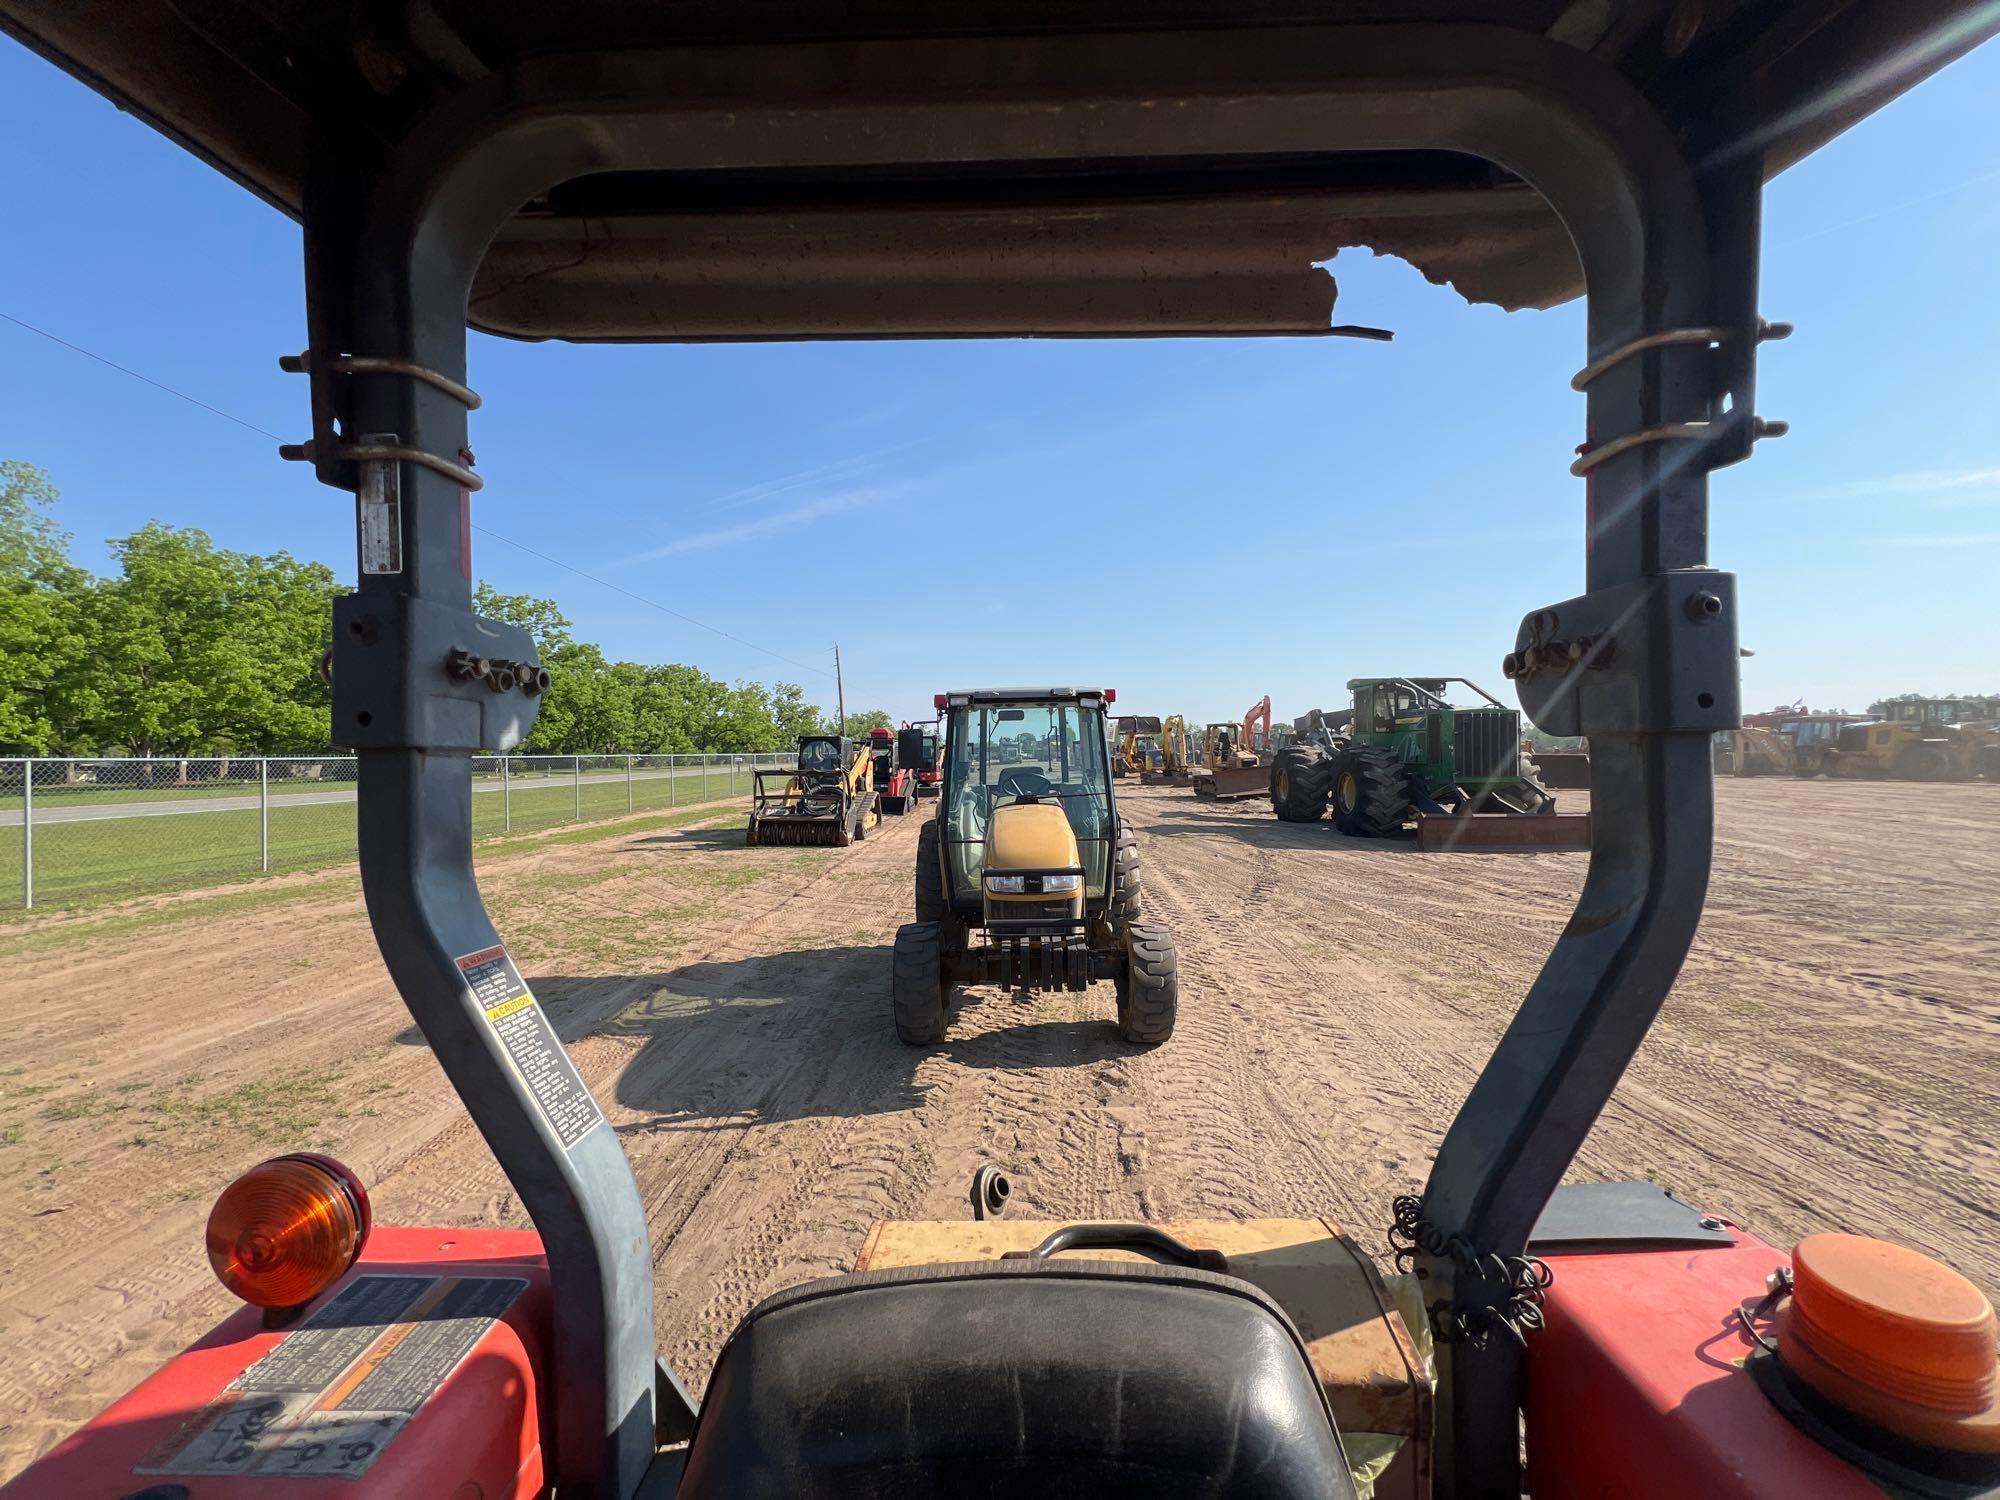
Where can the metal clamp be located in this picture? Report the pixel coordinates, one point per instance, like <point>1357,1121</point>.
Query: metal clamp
<point>1665,338</point>
<point>361,453</point>
<point>1666,432</point>
<point>376,364</point>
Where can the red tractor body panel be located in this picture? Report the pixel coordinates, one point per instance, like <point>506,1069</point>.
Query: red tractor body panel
<point>454,1396</point>
<point>1636,1387</point>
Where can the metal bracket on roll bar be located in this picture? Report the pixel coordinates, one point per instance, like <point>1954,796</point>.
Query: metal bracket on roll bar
<point>1590,665</point>
<point>379,452</point>
<point>1709,336</point>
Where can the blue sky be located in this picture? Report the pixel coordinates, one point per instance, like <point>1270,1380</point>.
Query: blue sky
<point>1194,522</point>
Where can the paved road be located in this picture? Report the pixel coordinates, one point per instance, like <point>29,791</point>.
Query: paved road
<point>94,812</point>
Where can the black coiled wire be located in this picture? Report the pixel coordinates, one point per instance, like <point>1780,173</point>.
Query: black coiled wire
<point>1520,1283</point>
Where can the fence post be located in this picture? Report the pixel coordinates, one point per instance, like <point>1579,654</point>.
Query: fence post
<point>264,813</point>
<point>577,762</point>
<point>506,797</point>
<point>628,783</point>
<point>28,833</point>
<point>673,781</point>
<point>704,778</point>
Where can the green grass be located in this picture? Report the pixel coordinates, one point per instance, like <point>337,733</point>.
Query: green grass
<point>86,863</point>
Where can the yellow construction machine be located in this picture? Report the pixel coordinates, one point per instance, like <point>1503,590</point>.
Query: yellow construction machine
<point>828,799</point>
<point>1919,745</point>
<point>1130,756</point>
<point>1173,767</point>
<point>1231,763</point>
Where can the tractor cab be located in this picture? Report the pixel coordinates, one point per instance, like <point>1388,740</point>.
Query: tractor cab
<point>1028,877</point>
<point>821,755</point>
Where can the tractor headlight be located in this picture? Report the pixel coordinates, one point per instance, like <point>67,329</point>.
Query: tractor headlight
<point>1007,885</point>
<point>1055,883</point>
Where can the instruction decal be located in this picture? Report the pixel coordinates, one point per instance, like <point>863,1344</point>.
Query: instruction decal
<point>337,1390</point>
<point>379,515</point>
<point>531,1045</point>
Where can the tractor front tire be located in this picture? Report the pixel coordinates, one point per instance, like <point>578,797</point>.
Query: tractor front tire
<point>1300,781</point>
<point>1149,989</point>
<point>1371,798</point>
<point>1126,895</point>
<point>917,987</point>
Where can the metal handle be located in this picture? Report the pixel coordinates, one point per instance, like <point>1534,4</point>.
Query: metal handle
<point>1141,1239</point>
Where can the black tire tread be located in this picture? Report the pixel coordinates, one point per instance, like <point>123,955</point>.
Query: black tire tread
<point>1309,775</point>
<point>916,987</point>
<point>930,875</point>
<point>1384,805</point>
<point>1129,898</point>
<point>1149,990</point>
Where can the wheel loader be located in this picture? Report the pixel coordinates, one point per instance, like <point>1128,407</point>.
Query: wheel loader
<point>792,170</point>
<point>1137,735</point>
<point>828,798</point>
<point>1028,877</point>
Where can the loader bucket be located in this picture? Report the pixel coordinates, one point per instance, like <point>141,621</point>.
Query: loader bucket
<point>1481,831</point>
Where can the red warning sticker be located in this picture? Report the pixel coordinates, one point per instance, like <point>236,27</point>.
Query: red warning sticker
<point>532,1045</point>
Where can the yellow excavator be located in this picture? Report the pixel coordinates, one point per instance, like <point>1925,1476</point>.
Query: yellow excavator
<point>828,799</point>
<point>1173,767</point>
<point>1129,757</point>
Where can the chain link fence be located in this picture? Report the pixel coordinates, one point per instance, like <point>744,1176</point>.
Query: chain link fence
<point>83,830</point>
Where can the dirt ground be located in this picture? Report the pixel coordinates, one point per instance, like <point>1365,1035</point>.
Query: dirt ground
<point>1831,1056</point>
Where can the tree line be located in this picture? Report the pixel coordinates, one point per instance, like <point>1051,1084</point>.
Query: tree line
<point>193,649</point>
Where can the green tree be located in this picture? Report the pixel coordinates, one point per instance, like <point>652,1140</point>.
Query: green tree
<point>541,618</point>
<point>858,725</point>
<point>47,695</point>
<point>793,715</point>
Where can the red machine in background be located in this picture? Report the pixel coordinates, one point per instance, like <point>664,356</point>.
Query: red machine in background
<point>917,747</point>
<point>895,778</point>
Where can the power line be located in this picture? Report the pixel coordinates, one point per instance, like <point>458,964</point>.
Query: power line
<point>483,530</point>
<point>155,384</point>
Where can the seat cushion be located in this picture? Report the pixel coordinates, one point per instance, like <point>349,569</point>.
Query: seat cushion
<point>1037,1378</point>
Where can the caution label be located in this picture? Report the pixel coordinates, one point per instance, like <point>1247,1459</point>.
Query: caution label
<point>339,1388</point>
<point>532,1045</point>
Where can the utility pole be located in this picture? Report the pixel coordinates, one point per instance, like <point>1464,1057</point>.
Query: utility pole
<point>839,689</point>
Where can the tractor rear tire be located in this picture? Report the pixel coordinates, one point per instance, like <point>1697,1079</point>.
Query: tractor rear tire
<point>1149,989</point>
<point>1371,798</point>
<point>1127,895</point>
<point>917,988</point>
<point>1300,781</point>
<point>1989,763</point>
<point>930,875</point>
<point>1923,763</point>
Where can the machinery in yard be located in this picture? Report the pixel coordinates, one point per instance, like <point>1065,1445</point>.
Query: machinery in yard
<point>794,170</point>
<point>1233,756</point>
<point>1173,767</point>
<point>917,747</point>
<point>829,798</point>
<point>1917,748</point>
<point>1408,755</point>
<point>895,777</point>
<point>1137,741</point>
<point>1028,877</point>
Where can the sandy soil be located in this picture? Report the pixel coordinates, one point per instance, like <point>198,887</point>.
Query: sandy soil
<point>1831,1057</point>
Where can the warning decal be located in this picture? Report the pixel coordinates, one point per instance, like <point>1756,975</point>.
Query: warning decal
<point>337,1389</point>
<point>532,1045</point>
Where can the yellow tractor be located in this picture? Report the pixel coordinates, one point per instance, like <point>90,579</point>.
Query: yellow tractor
<point>828,799</point>
<point>1028,877</point>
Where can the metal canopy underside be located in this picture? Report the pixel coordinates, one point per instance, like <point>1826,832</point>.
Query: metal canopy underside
<point>955,245</point>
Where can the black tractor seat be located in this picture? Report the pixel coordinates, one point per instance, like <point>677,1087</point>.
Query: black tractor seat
<point>1041,1378</point>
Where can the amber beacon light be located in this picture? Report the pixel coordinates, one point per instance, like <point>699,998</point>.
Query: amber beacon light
<point>287,1229</point>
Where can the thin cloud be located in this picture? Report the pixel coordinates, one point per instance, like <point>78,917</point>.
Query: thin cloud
<point>1949,539</point>
<point>839,470</point>
<point>1936,482</point>
<point>772,522</point>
